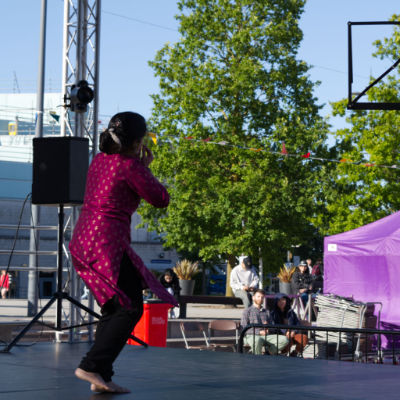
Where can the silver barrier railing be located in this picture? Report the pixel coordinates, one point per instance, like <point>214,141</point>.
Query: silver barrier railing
<point>348,348</point>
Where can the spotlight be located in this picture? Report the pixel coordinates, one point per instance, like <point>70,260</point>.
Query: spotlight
<point>81,96</point>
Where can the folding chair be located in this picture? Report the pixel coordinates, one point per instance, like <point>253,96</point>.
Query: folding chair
<point>194,330</point>
<point>225,326</point>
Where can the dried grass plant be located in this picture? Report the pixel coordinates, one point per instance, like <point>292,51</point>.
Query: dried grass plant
<point>186,269</point>
<point>286,273</point>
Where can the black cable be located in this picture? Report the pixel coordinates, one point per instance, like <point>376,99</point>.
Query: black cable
<point>29,195</point>
<point>16,236</point>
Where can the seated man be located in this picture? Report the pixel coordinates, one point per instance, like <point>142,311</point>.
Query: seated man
<point>257,338</point>
<point>244,280</point>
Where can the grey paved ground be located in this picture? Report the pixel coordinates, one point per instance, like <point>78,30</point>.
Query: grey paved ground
<point>15,310</point>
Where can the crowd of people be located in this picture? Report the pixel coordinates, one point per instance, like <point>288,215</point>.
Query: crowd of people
<point>244,281</point>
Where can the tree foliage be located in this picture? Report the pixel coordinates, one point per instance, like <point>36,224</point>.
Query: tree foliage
<point>234,77</point>
<point>358,195</point>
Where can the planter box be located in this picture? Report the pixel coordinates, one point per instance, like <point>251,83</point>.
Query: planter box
<point>187,287</point>
<point>285,287</point>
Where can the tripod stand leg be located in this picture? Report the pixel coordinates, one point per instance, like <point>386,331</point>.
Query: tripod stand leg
<point>88,310</point>
<point>80,305</point>
<point>137,340</point>
<point>27,327</point>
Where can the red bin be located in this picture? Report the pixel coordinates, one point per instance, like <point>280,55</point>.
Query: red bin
<point>152,327</point>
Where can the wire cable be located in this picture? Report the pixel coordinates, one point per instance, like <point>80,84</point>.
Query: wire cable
<point>16,236</point>
<point>140,21</point>
<point>29,195</point>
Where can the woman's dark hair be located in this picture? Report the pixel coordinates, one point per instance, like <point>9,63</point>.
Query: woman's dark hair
<point>123,129</point>
<point>285,311</point>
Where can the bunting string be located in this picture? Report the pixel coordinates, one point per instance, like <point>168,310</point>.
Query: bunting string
<point>285,153</point>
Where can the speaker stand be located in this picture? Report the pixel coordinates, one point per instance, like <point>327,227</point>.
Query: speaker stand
<point>59,296</point>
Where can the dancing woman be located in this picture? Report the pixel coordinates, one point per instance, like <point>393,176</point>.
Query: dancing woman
<point>118,178</point>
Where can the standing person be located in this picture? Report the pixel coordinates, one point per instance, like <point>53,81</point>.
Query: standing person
<point>117,179</point>
<point>302,281</point>
<point>170,281</point>
<point>244,280</point>
<point>257,338</point>
<point>309,265</point>
<point>282,314</point>
<point>317,276</point>
<point>4,283</point>
<point>317,268</point>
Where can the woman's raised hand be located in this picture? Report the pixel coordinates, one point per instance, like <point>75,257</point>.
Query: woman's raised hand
<point>146,156</point>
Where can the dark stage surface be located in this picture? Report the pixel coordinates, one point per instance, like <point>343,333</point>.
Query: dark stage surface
<point>45,371</point>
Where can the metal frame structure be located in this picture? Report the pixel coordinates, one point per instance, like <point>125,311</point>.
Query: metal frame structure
<point>81,46</point>
<point>80,61</point>
<point>355,104</point>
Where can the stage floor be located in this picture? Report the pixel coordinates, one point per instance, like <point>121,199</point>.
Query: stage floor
<point>45,371</point>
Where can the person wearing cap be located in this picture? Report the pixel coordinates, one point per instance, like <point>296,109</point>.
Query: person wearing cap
<point>302,281</point>
<point>260,337</point>
<point>244,280</point>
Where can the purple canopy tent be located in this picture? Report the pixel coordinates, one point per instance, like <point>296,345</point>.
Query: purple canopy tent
<point>365,263</point>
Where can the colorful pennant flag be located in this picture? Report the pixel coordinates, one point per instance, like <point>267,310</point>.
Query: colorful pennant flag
<point>153,137</point>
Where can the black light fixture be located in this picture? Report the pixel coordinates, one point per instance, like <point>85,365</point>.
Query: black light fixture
<point>81,95</point>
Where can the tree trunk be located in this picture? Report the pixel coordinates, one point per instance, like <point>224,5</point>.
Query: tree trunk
<point>231,263</point>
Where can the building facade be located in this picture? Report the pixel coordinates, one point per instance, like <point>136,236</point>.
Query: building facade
<point>17,128</point>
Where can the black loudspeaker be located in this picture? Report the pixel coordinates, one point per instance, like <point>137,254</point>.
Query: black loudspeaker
<point>60,166</point>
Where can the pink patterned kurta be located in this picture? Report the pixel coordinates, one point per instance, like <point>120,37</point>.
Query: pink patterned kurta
<point>115,184</point>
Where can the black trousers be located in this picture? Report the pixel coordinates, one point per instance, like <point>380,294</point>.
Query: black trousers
<point>116,324</point>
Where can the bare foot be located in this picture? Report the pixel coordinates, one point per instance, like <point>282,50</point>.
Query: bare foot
<point>93,378</point>
<point>112,387</point>
<point>116,388</point>
<point>97,389</point>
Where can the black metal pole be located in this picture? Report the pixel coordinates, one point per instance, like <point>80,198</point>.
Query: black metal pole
<point>350,61</point>
<point>60,264</point>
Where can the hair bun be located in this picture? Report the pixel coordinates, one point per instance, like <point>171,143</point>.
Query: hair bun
<point>123,130</point>
<point>106,142</point>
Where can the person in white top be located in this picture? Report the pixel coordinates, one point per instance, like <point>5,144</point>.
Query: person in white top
<point>244,280</point>
<point>309,265</point>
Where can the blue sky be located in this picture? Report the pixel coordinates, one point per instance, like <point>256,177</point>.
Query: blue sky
<point>133,30</point>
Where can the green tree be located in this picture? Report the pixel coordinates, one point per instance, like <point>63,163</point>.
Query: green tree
<point>234,77</point>
<point>359,194</point>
